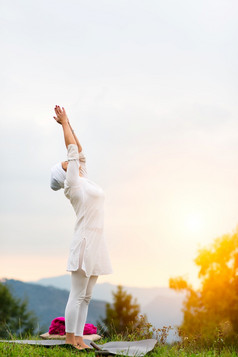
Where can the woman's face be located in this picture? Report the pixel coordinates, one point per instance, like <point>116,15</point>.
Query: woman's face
<point>64,165</point>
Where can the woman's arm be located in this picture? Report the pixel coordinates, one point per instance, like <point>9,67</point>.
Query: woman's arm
<point>63,120</point>
<point>75,138</point>
<point>71,139</point>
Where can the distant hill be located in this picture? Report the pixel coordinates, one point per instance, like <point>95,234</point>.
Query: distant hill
<point>61,282</point>
<point>155,310</point>
<point>166,311</point>
<point>101,291</point>
<point>49,302</point>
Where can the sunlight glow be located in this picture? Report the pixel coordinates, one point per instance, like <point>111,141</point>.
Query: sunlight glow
<point>193,222</point>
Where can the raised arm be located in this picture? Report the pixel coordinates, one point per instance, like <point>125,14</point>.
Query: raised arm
<point>70,137</point>
<point>75,138</point>
<point>62,119</point>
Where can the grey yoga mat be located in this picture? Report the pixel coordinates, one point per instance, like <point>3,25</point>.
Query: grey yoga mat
<point>36,342</point>
<point>45,343</point>
<point>126,348</point>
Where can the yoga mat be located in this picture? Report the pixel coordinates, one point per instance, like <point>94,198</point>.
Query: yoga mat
<point>36,342</point>
<point>126,348</point>
<point>46,343</point>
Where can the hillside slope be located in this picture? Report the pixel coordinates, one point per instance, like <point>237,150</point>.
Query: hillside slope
<point>50,302</point>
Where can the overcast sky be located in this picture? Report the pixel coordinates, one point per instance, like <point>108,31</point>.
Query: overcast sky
<point>150,88</point>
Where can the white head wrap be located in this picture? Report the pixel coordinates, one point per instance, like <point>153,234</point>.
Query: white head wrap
<point>58,176</point>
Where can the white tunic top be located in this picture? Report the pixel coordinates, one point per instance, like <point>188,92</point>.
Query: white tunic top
<point>88,248</point>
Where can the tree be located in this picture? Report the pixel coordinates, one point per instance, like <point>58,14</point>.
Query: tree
<point>212,310</point>
<point>123,315</point>
<point>14,316</point>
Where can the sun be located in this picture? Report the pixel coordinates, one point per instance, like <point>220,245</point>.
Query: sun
<point>193,222</point>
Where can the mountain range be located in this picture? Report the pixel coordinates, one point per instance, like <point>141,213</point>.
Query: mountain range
<point>104,291</point>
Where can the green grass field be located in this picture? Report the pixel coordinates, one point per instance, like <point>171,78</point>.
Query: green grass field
<point>16,350</point>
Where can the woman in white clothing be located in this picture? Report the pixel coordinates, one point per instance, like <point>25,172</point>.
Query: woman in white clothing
<point>88,256</point>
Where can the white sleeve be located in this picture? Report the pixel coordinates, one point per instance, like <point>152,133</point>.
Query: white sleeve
<point>82,161</point>
<point>72,174</point>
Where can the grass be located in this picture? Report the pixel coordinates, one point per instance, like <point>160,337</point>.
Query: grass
<point>144,331</point>
<point>15,350</point>
<point>161,350</point>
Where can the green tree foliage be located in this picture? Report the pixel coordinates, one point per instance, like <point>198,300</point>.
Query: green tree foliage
<point>211,312</point>
<point>15,319</point>
<point>123,315</point>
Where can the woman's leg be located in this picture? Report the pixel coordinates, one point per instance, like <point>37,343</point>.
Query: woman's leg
<point>83,310</point>
<point>79,283</point>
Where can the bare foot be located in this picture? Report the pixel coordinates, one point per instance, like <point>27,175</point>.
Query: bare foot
<point>83,345</point>
<point>80,342</point>
<point>70,338</point>
<point>77,346</point>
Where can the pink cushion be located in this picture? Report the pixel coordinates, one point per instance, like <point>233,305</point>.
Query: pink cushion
<point>57,327</point>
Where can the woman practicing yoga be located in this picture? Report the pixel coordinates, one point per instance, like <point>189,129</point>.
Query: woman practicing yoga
<point>88,257</point>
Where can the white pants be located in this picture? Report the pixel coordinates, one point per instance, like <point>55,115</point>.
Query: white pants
<point>77,306</point>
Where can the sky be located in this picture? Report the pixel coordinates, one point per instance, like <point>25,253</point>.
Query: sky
<point>150,88</point>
